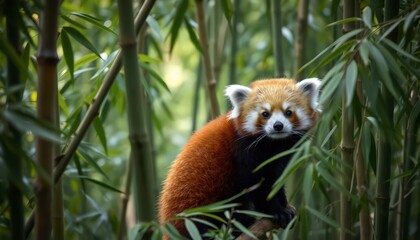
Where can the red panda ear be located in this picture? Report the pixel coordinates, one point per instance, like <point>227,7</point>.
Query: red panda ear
<point>310,88</point>
<point>237,94</point>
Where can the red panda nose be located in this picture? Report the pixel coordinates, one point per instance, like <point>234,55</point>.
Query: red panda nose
<point>278,126</point>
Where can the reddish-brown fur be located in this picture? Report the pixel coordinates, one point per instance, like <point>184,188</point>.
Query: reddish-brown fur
<point>201,174</point>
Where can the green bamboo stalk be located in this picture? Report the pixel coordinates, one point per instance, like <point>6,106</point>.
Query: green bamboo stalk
<point>347,141</point>
<point>383,172</point>
<point>210,80</point>
<point>58,209</point>
<point>196,97</point>
<point>14,137</point>
<point>302,25</point>
<point>92,112</point>
<point>406,184</point>
<point>136,100</point>
<point>234,42</point>
<point>276,27</point>
<point>47,59</point>
<point>361,174</point>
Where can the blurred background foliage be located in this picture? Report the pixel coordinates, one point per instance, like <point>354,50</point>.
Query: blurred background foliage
<point>357,66</point>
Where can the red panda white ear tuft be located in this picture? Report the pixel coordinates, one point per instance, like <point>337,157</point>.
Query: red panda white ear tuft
<point>310,88</point>
<point>237,94</point>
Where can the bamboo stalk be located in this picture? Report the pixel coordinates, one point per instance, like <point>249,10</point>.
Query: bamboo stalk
<point>383,172</point>
<point>302,25</point>
<point>196,98</point>
<point>92,111</point>
<point>47,59</point>
<point>210,80</point>
<point>58,209</point>
<point>13,136</point>
<point>234,43</point>
<point>276,27</point>
<point>136,108</point>
<point>347,141</point>
<point>361,174</point>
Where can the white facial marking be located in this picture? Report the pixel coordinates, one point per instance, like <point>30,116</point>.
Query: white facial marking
<point>278,116</point>
<point>250,121</point>
<point>286,105</point>
<point>304,120</point>
<point>266,106</point>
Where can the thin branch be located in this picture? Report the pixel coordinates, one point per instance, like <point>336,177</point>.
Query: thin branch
<point>211,81</point>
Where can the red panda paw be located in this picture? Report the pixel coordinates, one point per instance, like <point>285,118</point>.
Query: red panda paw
<point>284,217</point>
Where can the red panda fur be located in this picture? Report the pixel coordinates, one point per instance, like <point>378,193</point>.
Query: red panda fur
<point>204,171</point>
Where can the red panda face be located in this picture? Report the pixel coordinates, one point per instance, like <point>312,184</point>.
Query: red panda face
<point>275,108</point>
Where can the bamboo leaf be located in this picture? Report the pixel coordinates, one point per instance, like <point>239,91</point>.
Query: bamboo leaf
<point>181,10</point>
<point>400,50</point>
<point>102,184</point>
<point>27,122</point>
<point>147,59</point>
<point>132,234</point>
<point>11,54</point>
<point>94,21</point>
<point>155,76</point>
<point>154,26</point>
<point>367,17</point>
<point>254,214</point>
<point>192,229</point>
<point>329,178</point>
<point>364,52</point>
<point>68,53</point>
<point>409,19</point>
<point>390,29</point>
<point>106,64</point>
<point>227,9</point>
<point>171,231</point>
<point>81,39</point>
<point>323,217</point>
<point>202,221</point>
<point>350,79</point>
<point>100,131</point>
<point>83,154</point>
<point>193,35</point>
<point>346,20</point>
<point>72,22</point>
<point>243,229</point>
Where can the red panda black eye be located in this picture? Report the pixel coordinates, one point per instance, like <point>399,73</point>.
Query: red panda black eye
<point>265,114</point>
<point>288,113</point>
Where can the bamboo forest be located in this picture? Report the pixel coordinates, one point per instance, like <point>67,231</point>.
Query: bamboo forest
<point>98,98</point>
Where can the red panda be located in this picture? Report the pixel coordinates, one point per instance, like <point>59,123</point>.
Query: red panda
<point>218,161</point>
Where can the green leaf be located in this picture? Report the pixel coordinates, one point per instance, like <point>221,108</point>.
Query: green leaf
<point>154,26</point>
<point>382,69</point>
<point>350,79</point>
<point>192,229</point>
<point>400,50</point>
<point>177,20</point>
<point>102,184</point>
<point>202,221</point>
<point>346,20</point>
<point>83,154</point>
<point>78,36</point>
<point>147,59</point>
<point>243,229</point>
<point>364,52</point>
<point>276,157</point>
<point>72,22</point>
<point>100,131</point>
<point>193,35</point>
<point>68,53</point>
<point>11,54</point>
<point>329,178</point>
<point>105,65</point>
<point>94,21</point>
<point>171,231</point>
<point>254,214</point>
<point>155,76</point>
<point>132,234</point>
<point>227,9</point>
<point>27,122</point>
<point>409,19</point>
<point>367,17</point>
<point>323,217</point>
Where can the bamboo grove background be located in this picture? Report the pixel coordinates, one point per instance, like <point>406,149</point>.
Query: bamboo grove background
<point>95,102</point>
